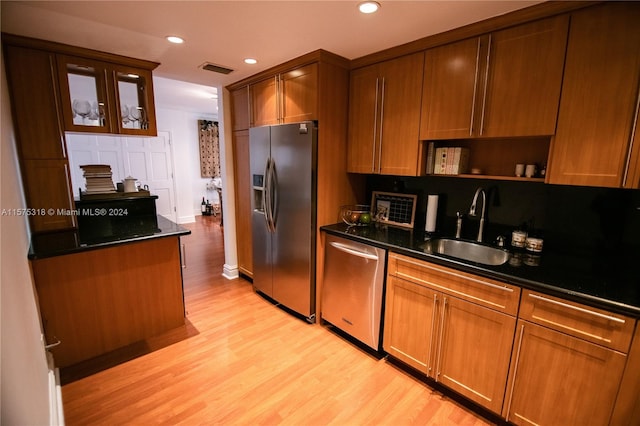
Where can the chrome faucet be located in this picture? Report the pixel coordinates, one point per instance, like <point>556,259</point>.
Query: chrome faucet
<point>472,210</point>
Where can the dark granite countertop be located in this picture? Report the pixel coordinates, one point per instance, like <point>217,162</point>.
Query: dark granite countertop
<point>68,242</point>
<point>602,280</point>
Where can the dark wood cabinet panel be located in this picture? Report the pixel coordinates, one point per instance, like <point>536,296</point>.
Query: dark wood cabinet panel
<point>524,78</point>
<point>504,84</point>
<point>384,117</point>
<point>48,189</point>
<point>240,113</point>
<point>243,194</point>
<point>599,98</point>
<point>32,77</point>
<point>99,300</point>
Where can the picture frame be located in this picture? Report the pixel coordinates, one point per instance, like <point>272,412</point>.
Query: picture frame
<point>394,208</point>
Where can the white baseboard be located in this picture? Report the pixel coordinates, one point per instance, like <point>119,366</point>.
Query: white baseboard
<point>186,219</point>
<point>230,272</point>
<point>56,410</point>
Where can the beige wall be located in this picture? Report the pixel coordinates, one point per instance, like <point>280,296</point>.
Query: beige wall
<point>24,391</point>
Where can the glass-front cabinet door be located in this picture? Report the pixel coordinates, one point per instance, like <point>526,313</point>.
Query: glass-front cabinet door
<point>85,101</point>
<point>135,105</point>
<point>102,97</point>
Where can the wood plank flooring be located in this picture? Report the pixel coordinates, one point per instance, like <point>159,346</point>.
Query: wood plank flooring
<point>240,360</point>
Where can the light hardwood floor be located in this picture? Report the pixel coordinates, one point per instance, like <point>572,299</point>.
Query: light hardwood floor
<point>240,360</point>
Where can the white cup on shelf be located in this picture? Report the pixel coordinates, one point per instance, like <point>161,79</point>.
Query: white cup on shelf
<point>519,169</point>
<point>530,170</point>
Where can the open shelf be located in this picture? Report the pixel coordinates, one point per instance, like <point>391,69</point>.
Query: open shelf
<point>497,158</point>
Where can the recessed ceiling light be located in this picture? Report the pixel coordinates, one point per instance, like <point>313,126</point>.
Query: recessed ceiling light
<point>175,39</point>
<point>250,61</point>
<point>369,6</point>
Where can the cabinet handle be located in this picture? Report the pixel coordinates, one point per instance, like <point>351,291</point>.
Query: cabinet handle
<point>381,124</point>
<point>375,129</point>
<point>486,84</point>
<point>515,372</point>
<point>441,338</point>
<point>577,308</point>
<point>475,88</point>
<point>433,324</point>
<point>634,129</point>
<point>184,256</point>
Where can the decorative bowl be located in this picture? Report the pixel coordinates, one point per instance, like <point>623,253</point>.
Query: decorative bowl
<point>356,214</point>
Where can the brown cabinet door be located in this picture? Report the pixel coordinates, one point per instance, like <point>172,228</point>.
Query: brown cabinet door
<point>556,379</point>
<point>264,102</point>
<point>599,97</point>
<point>384,117</point>
<point>243,201</point>
<point>33,87</point>
<point>364,94</point>
<point>400,115</point>
<point>524,78</point>
<point>474,352</point>
<point>410,323</point>
<point>449,92</point>
<point>48,192</point>
<point>240,108</point>
<point>299,94</point>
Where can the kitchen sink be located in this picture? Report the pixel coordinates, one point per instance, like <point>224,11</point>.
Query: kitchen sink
<point>467,250</point>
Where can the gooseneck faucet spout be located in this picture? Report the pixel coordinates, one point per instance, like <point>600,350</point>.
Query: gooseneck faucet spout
<point>472,210</point>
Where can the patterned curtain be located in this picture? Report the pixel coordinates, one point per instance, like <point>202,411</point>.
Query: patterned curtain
<point>209,149</point>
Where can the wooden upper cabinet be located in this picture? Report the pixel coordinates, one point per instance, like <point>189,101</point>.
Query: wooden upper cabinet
<point>264,102</point>
<point>101,97</point>
<point>503,84</point>
<point>299,94</point>
<point>449,95</point>
<point>384,117</point>
<point>32,86</point>
<point>240,113</point>
<point>39,138</point>
<point>288,97</point>
<point>524,78</point>
<point>599,101</point>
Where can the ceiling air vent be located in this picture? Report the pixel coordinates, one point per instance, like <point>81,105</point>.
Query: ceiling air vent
<point>215,68</point>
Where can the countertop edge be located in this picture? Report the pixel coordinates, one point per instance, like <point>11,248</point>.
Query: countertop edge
<point>166,229</point>
<point>576,296</point>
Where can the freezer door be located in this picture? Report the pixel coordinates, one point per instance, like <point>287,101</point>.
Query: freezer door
<point>259,155</point>
<point>352,288</point>
<point>293,151</point>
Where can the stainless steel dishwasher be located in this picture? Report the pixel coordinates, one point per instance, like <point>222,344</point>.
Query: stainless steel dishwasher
<point>352,288</point>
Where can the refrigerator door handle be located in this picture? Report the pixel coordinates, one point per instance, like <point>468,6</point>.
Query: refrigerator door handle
<point>266,197</point>
<point>347,249</point>
<point>273,189</point>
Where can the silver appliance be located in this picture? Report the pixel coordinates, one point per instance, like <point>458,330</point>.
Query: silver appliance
<point>283,174</point>
<point>352,288</point>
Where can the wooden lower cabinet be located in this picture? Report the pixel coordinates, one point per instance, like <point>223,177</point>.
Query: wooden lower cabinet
<point>409,322</point>
<point>99,300</point>
<point>557,379</point>
<point>474,351</point>
<point>460,344</point>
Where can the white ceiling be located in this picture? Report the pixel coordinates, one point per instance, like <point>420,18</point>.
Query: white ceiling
<point>226,32</point>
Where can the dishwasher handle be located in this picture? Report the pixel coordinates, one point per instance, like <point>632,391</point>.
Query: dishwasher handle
<point>348,249</point>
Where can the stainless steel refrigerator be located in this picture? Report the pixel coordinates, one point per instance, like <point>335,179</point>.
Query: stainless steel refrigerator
<point>283,175</point>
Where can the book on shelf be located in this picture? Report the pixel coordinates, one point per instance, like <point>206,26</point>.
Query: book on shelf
<point>451,160</point>
<point>431,157</point>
